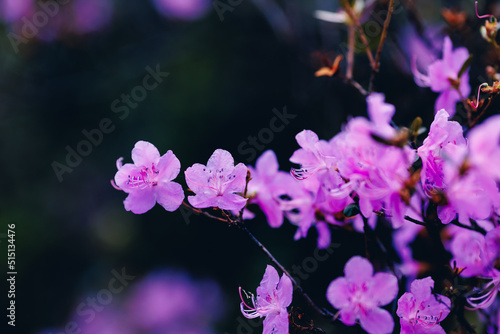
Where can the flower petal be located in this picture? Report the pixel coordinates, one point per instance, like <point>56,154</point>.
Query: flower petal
<point>197,179</point>
<point>276,323</point>
<point>285,291</point>
<point>385,288</point>
<point>376,321</point>
<point>221,159</point>
<point>169,166</point>
<point>140,201</point>
<point>358,269</point>
<point>422,288</point>
<point>144,154</point>
<point>447,100</point>
<point>268,283</point>
<point>338,293</point>
<point>169,195</point>
<point>267,164</point>
<point>230,201</point>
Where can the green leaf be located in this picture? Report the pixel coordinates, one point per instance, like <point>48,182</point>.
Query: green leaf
<point>465,66</point>
<point>351,210</point>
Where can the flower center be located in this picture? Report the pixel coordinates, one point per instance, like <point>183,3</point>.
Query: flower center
<point>146,177</point>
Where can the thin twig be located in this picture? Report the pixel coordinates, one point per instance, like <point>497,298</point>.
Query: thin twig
<point>381,44</point>
<point>455,222</point>
<point>350,51</point>
<point>201,212</point>
<point>355,84</point>
<point>325,313</point>
<point>361,33</point>
<point>483,111</point>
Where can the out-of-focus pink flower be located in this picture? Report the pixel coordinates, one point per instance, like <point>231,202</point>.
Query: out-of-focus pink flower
<point>219,183</point>
<point>108,321</point>
<point>443,77</point>
<point>470,252</point>
<point>91,15</point>
<point>172,302</point>
<point>274,295</point>
<point>420,311</point>
<point>359,295</point>
<point>182,9</point>
<point>484,146</point>
<point>13,10</point>
<point>423,48</point>
<point>148,179</point>
<point>488,295</point>
<point>470,194</point>
<point>380,114</point>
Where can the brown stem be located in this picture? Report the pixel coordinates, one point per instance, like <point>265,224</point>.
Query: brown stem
<point>361,33</point>
<point>350,52</point>
<point>325,313</point>
<point>455,222</point>
<point>481,114</point>
<point>355,84</point>
<point>381,44</point>
<point>201,212</point>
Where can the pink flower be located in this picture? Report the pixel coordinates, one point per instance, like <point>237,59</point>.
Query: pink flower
<point>274,295</point>
<point>469,250</point>
<point>359,295</point>
<point>218,184</point>
<point>484,146</point>
<point>267,185</point>
<point>148,179</point>
<point>420,311</point>
<point>488,295</point>
<point>469,192</point>
<point>380,113</point>
<point>441,134</point>
<point>182,9</point>
<point>443,77</point>
<point>313,156</point>
<point>376,172</point>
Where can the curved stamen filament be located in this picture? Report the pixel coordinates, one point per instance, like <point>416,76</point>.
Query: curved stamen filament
<point>482,16</point>
<point>487,298</point>
<point>243,301</point>
<point>428,320</point>
<point>476,105</point>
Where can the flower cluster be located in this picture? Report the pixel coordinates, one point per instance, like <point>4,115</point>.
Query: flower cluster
<point>445,186</point>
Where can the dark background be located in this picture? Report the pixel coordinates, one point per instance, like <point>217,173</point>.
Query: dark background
<point>225,79</point>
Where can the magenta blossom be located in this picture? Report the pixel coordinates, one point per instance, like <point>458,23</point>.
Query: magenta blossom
<point>484,146</point>
<point>441,134</point>
<point>268,185</point>
<point>274,295</point>
<point>148,179</point>
<point>470,251</point>
<point>182,9</point>
<point>420,311</point>
<point>443,77</point>
<point>359,295</point>
<point>218,184</point>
